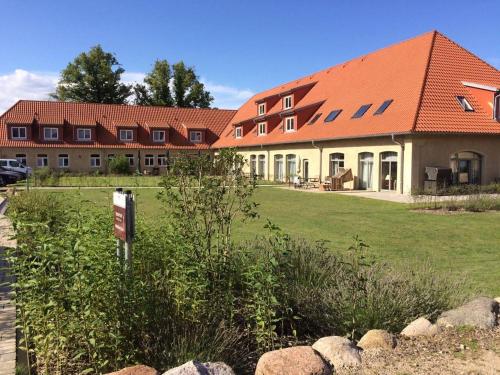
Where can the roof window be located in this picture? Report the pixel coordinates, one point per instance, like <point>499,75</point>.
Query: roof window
<point>361,111</point>
<point>383,107</point>
<point>314,119</point>
<point>333,115</point>
<point>465,104</point>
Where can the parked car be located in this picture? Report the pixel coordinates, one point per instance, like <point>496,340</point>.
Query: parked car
<point>9,177</point>
<point>15,166</point>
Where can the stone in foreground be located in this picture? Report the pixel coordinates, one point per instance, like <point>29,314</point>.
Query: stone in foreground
<point>481,312</point>
<point>136,370</point>
<point>377,339</point>
<point>299,360</point>
<point>198,368</point>
<point>420,327</point>
<point>338,351</point>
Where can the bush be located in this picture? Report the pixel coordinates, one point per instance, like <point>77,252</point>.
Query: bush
<point>472,203</point>
<point>119,165</point>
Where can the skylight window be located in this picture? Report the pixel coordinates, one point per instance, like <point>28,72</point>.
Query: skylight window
<point>315,118</point>
<point>361,111</point>
<point>333,115</point>
<point>465,104</point>
<point>383,107</point>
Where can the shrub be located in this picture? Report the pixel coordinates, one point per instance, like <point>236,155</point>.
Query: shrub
<point>119,165</point>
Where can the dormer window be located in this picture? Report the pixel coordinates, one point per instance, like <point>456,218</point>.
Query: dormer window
<point>287,102</point>
<point>238,132</point>
<point>51,134</point>
<point>289,124</point>
<point>126,135</point>
<point>159,136</point>
<point>261,109</point>
<point>464,103</point>
<point>195,136</point>
<point>261,130</point>
<point>18,132</point>
<point>496,108</point>
<point>83,134</point>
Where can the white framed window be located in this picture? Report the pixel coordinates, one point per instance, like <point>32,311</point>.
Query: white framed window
<point>18,132</point>
<point>83,134</point>
<point>130,158</point>
<point>63,161</point>
<point>261,130</point>
<point>287,102</point>
<point>238,132</point>
<point>261,109</point>
<point>42,160</point>
<point>465,104</point>
<point>158,135</point>
<point>149,160</point>
<point>290,124</point>
<point>126,135</point>
<point>111,157</point>
<point>21,158</point>
<point>51,134</point>
<point>95,160</point>
<point>195,136</point>
<point>162,161</point>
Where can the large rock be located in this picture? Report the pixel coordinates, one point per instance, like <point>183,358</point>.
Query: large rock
<point>136,370</point>
<point>198,368</point>
<point>481,312</point>
<point>299,360</point>
<point>420,327</point>
<point>338,351</point>
<point>377,339</point>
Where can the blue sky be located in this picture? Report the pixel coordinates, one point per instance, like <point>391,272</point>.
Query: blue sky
<point>238,47</point>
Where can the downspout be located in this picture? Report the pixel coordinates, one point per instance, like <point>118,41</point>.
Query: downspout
<point>402,169</point>
<point>320,160</point>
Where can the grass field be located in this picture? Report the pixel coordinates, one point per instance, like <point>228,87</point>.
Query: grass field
<point>464,244</point>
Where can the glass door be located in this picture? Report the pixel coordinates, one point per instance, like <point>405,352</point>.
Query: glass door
<point>389,170</point>
<point>306,169</point>
<point>365,170</point>
<point>278,168</point>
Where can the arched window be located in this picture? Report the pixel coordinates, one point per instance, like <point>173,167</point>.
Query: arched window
<point>466,167</point>
<point>262,166</point>
<point>336,162</point>
<point>365,170</point>
<point>278,167</point>
<point>253,165</point>
<point>291,165</point>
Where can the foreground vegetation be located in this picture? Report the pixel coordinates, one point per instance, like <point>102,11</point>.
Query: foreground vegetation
<point>192,290</point>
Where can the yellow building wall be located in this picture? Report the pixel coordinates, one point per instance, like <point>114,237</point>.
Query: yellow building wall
<point>318,155</point>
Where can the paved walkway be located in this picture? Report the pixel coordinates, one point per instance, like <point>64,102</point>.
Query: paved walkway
<point>7,308</point>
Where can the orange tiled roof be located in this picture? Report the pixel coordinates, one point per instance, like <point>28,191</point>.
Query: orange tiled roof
<point>422,75</point>
<point>107,117</point>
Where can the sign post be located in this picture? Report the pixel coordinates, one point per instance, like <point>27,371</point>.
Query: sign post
<point>124,224</point>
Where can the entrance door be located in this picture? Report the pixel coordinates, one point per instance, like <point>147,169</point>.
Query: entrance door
<point>306,169</point>
<point>389,170</point>
<point>365,170</point>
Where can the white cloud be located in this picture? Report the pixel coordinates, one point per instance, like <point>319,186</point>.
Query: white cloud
<point>22,84</point>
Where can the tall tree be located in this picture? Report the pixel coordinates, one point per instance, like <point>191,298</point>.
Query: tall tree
<point>156,87</point>
<point>177,85</point>
<point>93,77</point>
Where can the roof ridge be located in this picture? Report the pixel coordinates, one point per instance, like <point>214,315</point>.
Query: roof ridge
<point>424,82</point>
<point>350,60</point>
<point>118,105</point>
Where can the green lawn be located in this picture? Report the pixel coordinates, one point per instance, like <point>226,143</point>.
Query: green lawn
<point>465,244</point>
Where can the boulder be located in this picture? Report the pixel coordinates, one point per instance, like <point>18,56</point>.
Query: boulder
<point>198,368</point>
<point>377,339</point>
<point>338,351</point>
<point>136,370</point>
<point>420,327</point>
<point>299,360</point>
<point>481,312</point>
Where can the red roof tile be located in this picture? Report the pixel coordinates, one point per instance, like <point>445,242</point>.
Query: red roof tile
<point>107,116</point>
<point>422,75</point>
